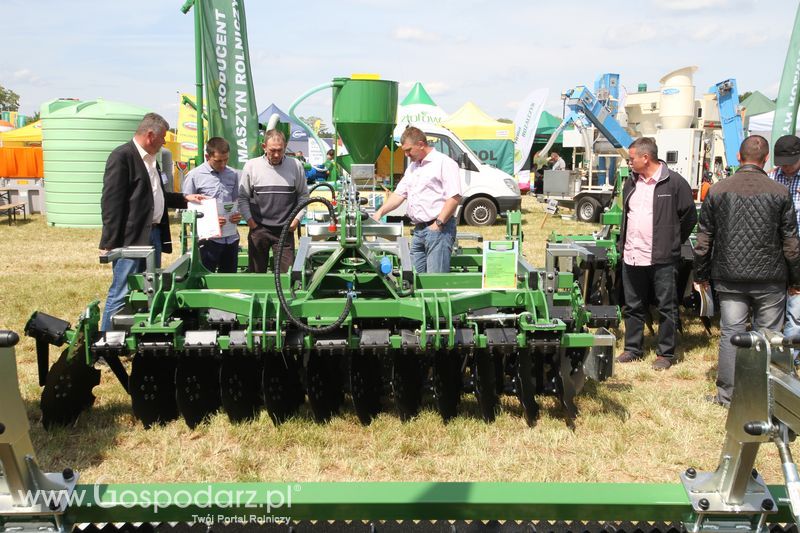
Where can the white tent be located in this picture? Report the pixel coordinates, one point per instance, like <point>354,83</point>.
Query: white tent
<point>763,123</point>
<point>417,108</point>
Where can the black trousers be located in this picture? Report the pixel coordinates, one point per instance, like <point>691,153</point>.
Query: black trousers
<point>220,257</point>
<point>639,284</point>
<point>259,243</point>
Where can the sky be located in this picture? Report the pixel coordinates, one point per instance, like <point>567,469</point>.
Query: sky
<point>492,53</point>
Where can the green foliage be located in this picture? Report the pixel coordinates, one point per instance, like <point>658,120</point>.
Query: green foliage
<point>9,100</point>
<point>323,128</point>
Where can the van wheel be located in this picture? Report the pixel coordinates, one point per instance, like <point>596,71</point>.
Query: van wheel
<point>587,209</point>
<point>480,212</point>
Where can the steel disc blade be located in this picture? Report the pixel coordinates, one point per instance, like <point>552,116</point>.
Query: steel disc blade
<point>283,391</point>
<point>240,386</point>
<point>197,388</point>
<point>526,387</point>
<point>484,369</point>
<point>571,380</point>
<point>68,390</point>
<point>407,383</point>
<point>365,385</point>
<point>325,391</point>
<point>152,388</point>
<point>447,383</point>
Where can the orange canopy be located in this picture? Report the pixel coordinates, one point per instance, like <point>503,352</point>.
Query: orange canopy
<point>21,162</point>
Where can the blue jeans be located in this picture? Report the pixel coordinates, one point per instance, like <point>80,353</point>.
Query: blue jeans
<point>431,250</point>
<point>792,327</point>
<point>734,310</point>
<point>121,269</point>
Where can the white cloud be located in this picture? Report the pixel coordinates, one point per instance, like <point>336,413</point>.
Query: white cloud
<point>435,88</point>
<point>689,5</point>
<point>406,33</point>
<point>25,75</point>
<point>624,35</point>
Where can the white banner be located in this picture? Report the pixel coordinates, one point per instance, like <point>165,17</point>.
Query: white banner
<point>315,157</point>
<point>527,120</point>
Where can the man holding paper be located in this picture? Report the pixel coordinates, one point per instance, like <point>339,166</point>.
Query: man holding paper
<point>216,180</point>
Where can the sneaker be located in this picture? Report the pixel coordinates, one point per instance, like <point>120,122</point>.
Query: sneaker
<point>713,398</point>
<point>628,357</point>
<point>662,363</point>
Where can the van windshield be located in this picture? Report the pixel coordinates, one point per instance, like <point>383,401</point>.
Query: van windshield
<point>446,146</point>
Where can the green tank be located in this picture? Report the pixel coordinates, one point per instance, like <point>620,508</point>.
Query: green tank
<point>77,138</point>
<point>364,112</point>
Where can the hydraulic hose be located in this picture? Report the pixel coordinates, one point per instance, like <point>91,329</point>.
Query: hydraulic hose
<point>279,289</point>
<point>324,184</point>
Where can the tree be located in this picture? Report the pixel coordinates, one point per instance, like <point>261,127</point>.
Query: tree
<point>9,100</point>
<point>505,120</point>
<point>744,96</point>
<point>312,121</point>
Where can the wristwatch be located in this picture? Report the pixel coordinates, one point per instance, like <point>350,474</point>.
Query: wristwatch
<point>439,222</point>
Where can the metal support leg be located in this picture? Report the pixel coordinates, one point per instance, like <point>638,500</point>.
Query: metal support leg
<point>26,493</point>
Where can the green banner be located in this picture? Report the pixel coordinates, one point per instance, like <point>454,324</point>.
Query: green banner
<point>498,153</point>
<point>232,112</point>
<point>786,105</point>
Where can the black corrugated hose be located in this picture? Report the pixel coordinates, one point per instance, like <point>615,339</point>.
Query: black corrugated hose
<point>279,255</point>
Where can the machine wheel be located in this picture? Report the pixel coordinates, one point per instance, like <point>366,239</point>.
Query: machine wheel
<point>587,209</point>
<point>283,392</point>
<point>240,387</point>
<point>197,388</point>
<point>484,370</point>
<point>407,384</point>
<point>365,385</point>
<point>447,383</point>
<point>152,388</point>
<point>68,390</point>
<point>480,212</point>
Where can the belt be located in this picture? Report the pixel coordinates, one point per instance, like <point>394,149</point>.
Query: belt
<point>417,225</point>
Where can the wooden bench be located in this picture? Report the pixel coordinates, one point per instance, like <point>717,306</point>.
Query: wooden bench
<point>12,209</point>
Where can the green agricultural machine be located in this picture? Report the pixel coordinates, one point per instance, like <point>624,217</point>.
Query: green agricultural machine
<point>351,318</point>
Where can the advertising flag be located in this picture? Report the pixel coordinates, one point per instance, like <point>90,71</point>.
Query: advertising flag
<point>232,112</point>
<point>527,120</point>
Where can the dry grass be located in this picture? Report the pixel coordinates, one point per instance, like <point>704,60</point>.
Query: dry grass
<point>639,426</point>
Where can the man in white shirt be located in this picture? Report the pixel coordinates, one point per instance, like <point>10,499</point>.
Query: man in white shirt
<point>432,186</point>
<point>556,162</point>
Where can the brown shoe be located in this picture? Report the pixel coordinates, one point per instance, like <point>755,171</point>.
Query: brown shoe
<point>662,363</point>
<point>628,357</point>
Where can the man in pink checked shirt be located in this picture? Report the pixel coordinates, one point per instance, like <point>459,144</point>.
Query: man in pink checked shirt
<point>432,186</point>
<point>659,215</point>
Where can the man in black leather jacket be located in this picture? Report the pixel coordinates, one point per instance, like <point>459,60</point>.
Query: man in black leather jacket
<point>748,245</point>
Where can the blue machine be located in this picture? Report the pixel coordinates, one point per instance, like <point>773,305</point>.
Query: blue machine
<point>730,119</point>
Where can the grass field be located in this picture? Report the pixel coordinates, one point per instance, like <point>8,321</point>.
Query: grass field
<point>639,426</point>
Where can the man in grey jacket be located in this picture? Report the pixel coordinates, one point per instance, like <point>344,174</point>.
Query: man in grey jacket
<point>747,244</point>
<point>270,188</point>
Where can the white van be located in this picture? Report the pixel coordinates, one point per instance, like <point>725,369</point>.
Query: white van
<point>486,191</point>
